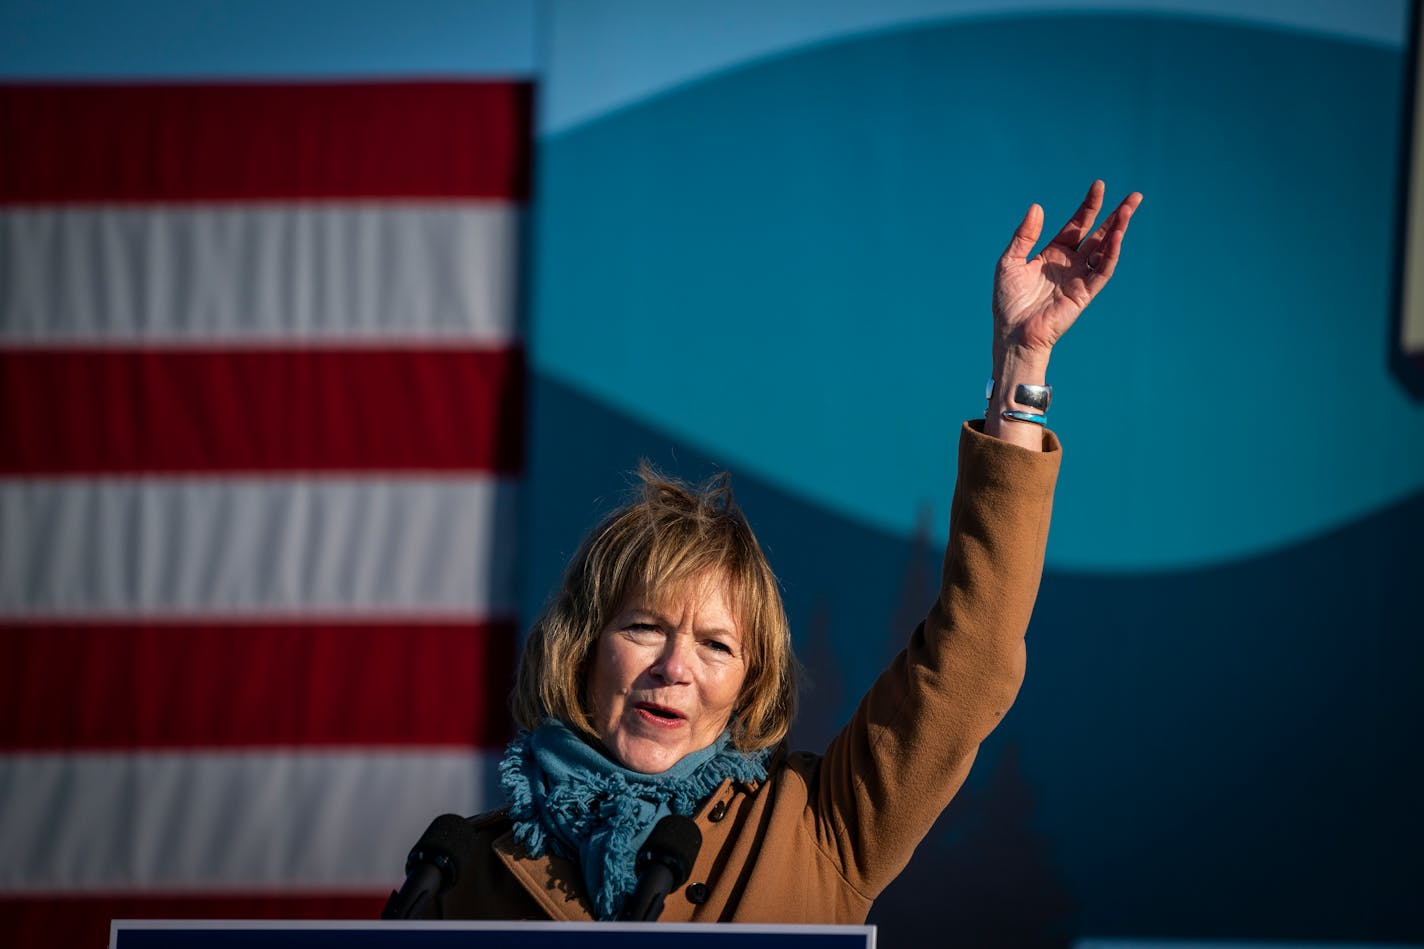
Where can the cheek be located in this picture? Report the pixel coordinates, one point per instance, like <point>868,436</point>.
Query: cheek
<point>599,693</point>
<point>608,677</point>
<point>727,692</point>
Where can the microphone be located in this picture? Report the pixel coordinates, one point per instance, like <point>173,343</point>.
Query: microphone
<point>432,866</point>
<point>664,864</point>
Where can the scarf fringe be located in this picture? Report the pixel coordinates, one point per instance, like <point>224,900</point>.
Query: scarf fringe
<point>600,815</point>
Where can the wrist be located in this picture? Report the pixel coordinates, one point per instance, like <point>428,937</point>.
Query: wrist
<point>1016,364</point>
<point>1023,425</point>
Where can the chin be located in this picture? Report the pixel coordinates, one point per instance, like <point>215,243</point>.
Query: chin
<point>651,764</point>
<point>648,758</point>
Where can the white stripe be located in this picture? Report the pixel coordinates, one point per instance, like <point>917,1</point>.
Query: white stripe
<point>186,821</point>
<point>150,547</point>
<point>1411,271</point>
<point>262,275</point>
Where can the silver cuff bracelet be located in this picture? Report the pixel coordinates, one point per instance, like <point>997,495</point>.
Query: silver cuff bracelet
<point>1035,397</point>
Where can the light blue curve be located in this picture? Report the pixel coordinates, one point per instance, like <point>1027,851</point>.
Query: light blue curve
<point>610,54</point>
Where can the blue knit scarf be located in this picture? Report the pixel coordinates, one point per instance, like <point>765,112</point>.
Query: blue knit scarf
<point>568,798</point>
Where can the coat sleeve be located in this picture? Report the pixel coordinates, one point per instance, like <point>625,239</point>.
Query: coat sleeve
<point>907,749</point>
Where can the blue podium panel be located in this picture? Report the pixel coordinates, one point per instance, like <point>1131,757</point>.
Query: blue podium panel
<point>318,934</point>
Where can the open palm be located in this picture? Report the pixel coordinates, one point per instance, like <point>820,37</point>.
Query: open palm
<point>1036,301</point>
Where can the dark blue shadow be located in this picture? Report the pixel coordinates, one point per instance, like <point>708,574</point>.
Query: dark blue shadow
<point>1230,752</point>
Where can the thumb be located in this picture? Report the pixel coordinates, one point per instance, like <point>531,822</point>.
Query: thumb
<point>1026,235</point>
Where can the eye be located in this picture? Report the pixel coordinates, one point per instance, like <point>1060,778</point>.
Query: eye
<point>717,646</point>
<point>643,632</point>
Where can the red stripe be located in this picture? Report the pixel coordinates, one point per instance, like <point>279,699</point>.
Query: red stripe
<point>102,411</point>
<point>252,141</point>
<point>151,685</point>
<point>62,921</point>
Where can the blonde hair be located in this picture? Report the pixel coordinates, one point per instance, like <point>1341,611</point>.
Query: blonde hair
<point>672,534</point>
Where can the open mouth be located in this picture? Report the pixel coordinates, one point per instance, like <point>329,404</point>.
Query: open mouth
<point>658,713</point>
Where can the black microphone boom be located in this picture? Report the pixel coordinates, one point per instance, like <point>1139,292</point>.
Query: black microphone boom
<point>431,868</point>
<point>664,864</point>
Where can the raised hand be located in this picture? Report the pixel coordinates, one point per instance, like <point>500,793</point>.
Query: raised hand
<point>1036,301</point>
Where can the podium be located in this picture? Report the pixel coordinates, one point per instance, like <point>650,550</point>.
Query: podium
<point>345,934</point>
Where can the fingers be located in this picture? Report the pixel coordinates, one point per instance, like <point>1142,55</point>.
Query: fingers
<point>1026,235</point>
<point>1100,251</point>
<point>1082,220</point>
<point>1095,253</point>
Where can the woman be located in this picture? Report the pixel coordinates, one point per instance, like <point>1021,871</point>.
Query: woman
<point>660,679</point>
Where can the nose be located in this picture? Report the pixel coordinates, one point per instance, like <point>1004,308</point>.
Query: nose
<point>674,663</point>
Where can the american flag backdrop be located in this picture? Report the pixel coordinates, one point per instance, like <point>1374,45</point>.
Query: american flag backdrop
<point>261,415</point>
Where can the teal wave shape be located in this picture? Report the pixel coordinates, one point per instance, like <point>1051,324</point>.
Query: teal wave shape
<point>787,265</point>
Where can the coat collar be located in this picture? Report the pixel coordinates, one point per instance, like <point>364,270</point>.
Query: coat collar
<point>556,883</point>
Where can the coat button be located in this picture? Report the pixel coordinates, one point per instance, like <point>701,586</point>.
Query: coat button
<point>719,811</point>
<point>697,893</point>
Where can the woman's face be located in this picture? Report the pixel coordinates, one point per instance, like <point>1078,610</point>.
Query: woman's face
<point>666,676</point>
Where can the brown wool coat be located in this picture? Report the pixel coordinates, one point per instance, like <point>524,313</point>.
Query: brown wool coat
<point>824,834</point>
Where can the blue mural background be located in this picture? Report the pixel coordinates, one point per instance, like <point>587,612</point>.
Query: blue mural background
<point>782,267</point>
<point>762,239</point>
